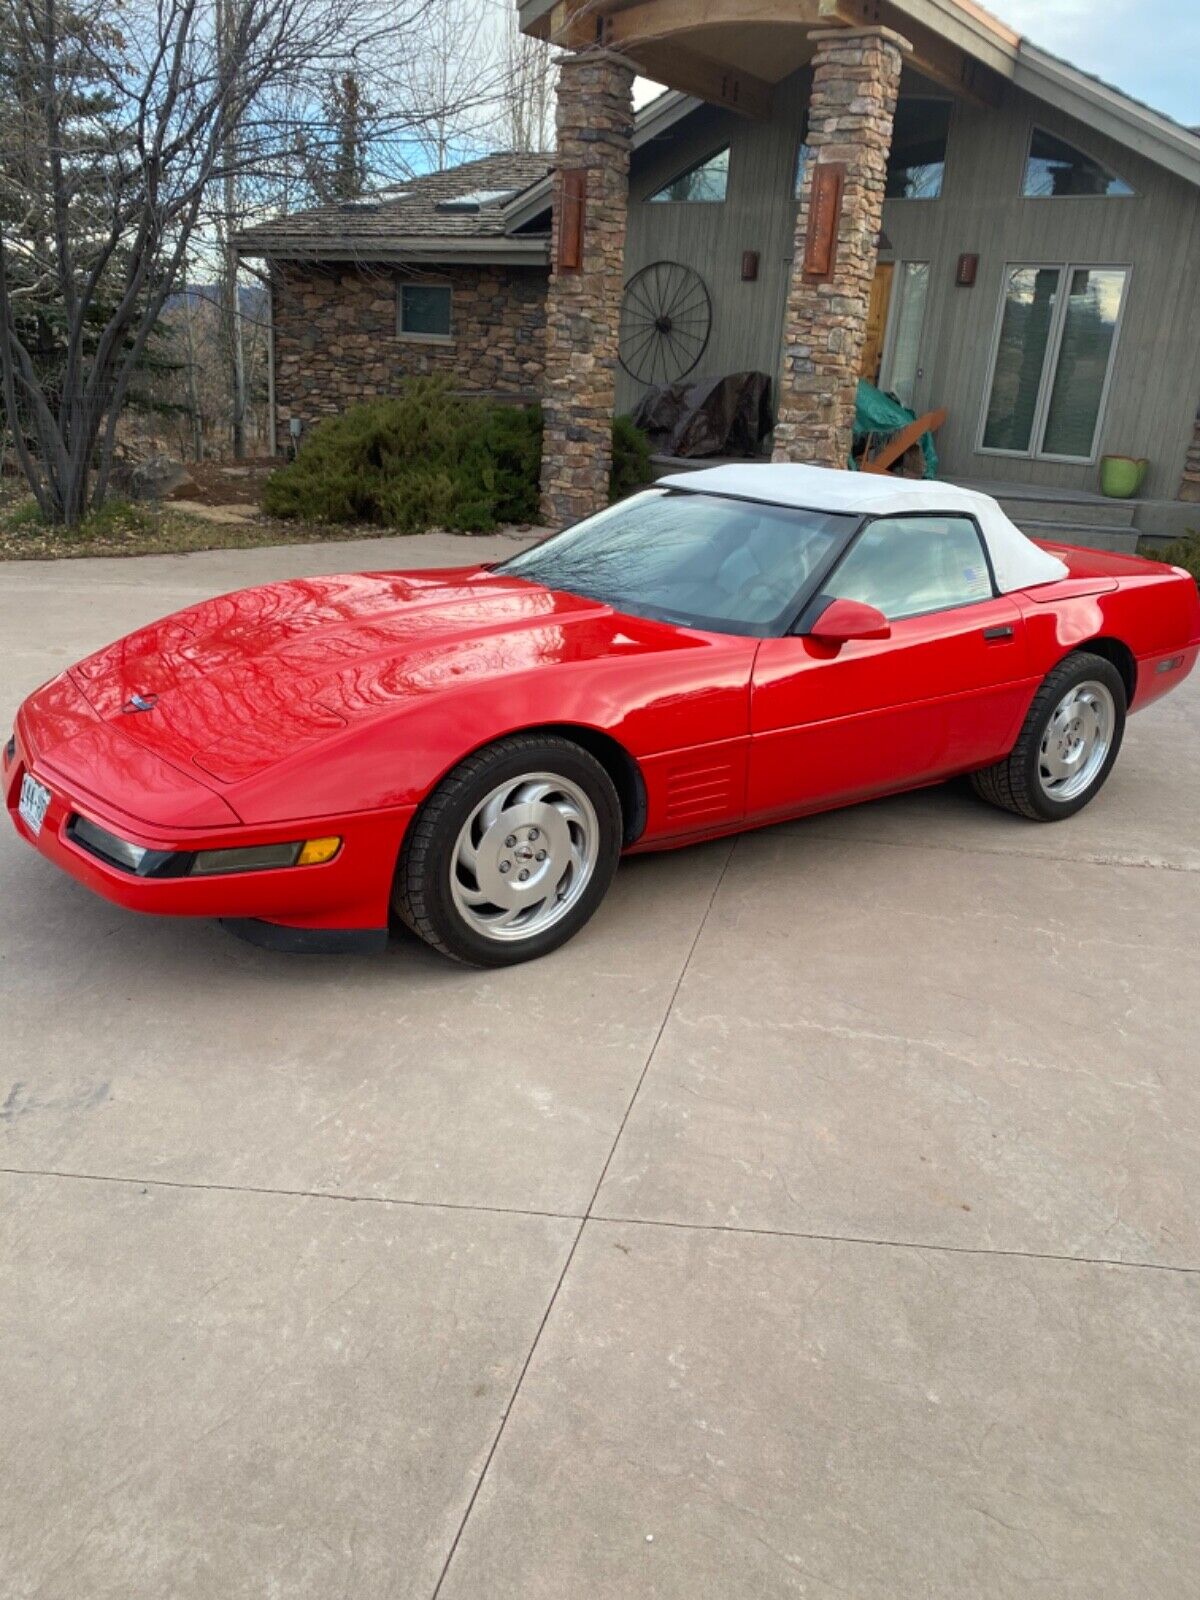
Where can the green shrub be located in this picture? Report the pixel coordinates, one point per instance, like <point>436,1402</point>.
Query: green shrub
<point>1183,553</point>
<point>631,459</point>
<point>429,458</point>
<point>426,458</point>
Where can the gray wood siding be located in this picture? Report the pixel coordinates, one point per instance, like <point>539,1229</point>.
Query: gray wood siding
<point>1156,233</point>
<point>757,214</point>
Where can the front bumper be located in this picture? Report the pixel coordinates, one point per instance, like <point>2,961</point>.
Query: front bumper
<point>348,895</point>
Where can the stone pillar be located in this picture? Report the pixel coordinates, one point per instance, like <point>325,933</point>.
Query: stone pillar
<point>856,78</point>
<point>583,303</point>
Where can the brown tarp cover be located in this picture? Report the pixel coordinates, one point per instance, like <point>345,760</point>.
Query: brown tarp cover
<point>728,416</point>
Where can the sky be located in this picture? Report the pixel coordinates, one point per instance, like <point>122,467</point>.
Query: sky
<point>1149,48</point>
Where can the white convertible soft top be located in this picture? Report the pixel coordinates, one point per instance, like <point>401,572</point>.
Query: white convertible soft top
<point>1017,562</point>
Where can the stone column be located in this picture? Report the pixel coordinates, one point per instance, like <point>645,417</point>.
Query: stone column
<point>583,304</point>
<point>856,78</point>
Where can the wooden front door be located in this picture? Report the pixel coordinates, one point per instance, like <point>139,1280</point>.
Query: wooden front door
<point>877,314</point>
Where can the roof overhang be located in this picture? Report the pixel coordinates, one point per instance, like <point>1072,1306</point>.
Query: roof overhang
<point>733,52</point>
<point>493,250</point>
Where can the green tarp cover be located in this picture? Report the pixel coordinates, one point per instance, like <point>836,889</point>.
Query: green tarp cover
<point>883,415</point>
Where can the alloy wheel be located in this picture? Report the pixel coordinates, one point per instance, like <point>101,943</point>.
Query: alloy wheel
<point>524,856</point>
<point>1077,740</point>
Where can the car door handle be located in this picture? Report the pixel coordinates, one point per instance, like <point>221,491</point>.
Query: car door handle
<point>1003,630</point>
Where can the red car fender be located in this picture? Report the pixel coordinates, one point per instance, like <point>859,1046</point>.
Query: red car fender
<point>651,706</point>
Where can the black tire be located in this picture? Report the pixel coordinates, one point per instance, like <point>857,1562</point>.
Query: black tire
<point>421,893</point>
<point>1014,783</point>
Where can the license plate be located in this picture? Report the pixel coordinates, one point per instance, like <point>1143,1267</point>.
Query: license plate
<point>35,797</point>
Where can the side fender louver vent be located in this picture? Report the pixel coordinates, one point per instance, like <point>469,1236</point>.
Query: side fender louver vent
<point>697,790</point>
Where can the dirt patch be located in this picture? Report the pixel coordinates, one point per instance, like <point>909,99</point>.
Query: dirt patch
<point>221,483</point>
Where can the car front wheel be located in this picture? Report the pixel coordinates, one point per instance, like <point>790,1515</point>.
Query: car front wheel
<point>511,853</point>
<point>1067,746</point>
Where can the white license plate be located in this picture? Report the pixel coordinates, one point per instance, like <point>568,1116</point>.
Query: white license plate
<point>35,797</point>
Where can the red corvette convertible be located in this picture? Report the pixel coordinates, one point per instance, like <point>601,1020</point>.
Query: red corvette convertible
<point>471,750</point>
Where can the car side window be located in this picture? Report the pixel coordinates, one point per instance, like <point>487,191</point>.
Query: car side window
<point>904,566</point>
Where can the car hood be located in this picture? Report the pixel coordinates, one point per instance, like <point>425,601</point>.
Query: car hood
<point>241,682</point>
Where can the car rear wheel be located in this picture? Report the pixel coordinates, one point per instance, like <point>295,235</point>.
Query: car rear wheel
<point>1067,745</point>
<point>511,853</point>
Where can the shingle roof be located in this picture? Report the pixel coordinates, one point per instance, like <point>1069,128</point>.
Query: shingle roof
<point>412,211</point>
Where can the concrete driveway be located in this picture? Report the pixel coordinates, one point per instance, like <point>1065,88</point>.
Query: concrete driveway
<point>824,1221</point>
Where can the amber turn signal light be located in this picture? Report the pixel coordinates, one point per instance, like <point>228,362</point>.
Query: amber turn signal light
<point>314,851</point>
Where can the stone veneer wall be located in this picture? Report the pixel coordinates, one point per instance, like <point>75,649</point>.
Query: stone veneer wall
<point>336,342</point>
<point>856,78</point>
<point>583,307</point>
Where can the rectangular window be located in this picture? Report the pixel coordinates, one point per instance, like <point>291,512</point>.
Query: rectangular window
<point>424,310</point>
<point>917,159</point>
<point>1053,359</point>
<point>902,359</point>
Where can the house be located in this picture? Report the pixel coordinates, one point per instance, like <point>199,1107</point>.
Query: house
<point>905,190</point>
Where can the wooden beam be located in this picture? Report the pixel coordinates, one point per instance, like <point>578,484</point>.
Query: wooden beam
<point>654,33</point>
<point>841,14</point>
<point>933,56</point>
<point>660,19</point>
<point>953,68</point>
<point>680,67</point>
<point>643,39</point>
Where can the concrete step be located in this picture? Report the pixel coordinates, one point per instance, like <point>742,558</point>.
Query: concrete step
<point>1093,512</point>
<point>1122,540</point>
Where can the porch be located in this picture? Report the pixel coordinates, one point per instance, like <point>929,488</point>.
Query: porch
<point>800,278</point>
<point>731,57</point>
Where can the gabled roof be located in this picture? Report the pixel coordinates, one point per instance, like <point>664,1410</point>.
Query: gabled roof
<point>414,222</point>
<point>465,207</point>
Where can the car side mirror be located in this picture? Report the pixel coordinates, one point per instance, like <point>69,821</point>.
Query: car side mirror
<point>843,620</point>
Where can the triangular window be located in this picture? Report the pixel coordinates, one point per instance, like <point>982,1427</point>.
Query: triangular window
<point>1057,170</point>
<point>707,180</point>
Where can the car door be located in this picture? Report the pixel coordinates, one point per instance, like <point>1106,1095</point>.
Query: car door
<point>944,693</point>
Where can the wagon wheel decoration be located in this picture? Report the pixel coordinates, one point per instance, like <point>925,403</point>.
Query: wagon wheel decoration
<point>666,318</point>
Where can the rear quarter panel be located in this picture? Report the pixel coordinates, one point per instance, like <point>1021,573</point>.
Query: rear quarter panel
<point>1152,609</point>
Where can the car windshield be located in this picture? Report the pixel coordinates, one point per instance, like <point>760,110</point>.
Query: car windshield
<point>732,566</point>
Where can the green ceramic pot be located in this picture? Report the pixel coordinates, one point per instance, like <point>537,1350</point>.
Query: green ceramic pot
<point>1122,476</point>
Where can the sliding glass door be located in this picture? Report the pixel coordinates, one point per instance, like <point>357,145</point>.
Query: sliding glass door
<point>1053,358</point>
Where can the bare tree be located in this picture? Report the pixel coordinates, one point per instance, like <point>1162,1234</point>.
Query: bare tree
<point>138,137</point>
<point>338,170</point>
<point>526,120</point>
<point>124,132</point>
<point>229,66</point>
<point>444,83</point>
